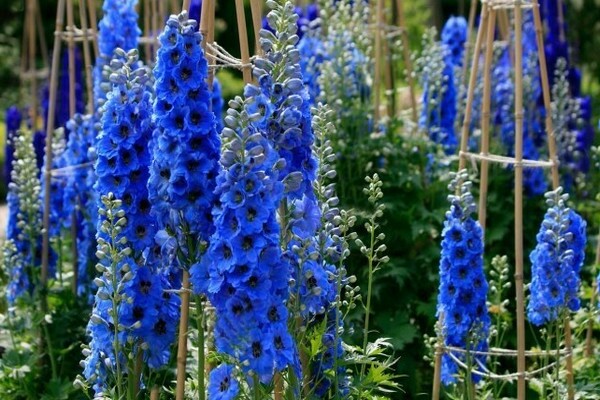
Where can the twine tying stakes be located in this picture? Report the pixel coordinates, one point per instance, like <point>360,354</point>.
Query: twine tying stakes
<point>492,9</point>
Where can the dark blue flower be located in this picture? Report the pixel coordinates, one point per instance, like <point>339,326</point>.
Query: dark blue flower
<point>185,144</point>
<point>463,288</point>
<point>556,262</point>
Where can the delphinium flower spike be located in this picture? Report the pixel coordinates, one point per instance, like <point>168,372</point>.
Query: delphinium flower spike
<point>248,280</point>
<point>556,262</point>
<point>118,28</point>
<point>122,168</point>
<point>79,199</point>
<point>322,275</point>
<point>438,115</point>
<point>185,144</point>
<point>24,218</point>
<point>463,288</point>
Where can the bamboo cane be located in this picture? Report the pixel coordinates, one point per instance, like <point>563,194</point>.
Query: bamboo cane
<point>257,23</point>
<point>155,393</point>
<point>464,139</point>
<point>147,47</point>
<point>93,26</point>
<point>518,169</point>
<point>408,64</point>
<point>32,9</point>
<point>243,37</point>
<point>485,117</point>
<point>87,60</point>
<point>183,335</point>
<point>471,26</point>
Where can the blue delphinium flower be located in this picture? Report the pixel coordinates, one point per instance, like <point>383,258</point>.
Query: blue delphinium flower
<point>118,28</point>
<point>122,168</point>
<point>312,55</point>
<point>556,262</point>
<point>439,93</point>
<point>24,218</point>
<point>454,36</point>
<point>247,277</point>
<point>13,122</point>
<point>185,144</point>
<point>217,104</point>
<point>223,384</point>
<point>503,104</point>
<point>318,280</point>
<point>57,185</point>
<point>463,287</point>
<point>79,201</point>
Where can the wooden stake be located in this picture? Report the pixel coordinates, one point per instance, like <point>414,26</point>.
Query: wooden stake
<point>518,168</point>
<point>485,117</point>
<point>147,46</point>
<point>182,339</point>
<point>155,393</point>
<point>87,58</point>
<point>49,133</point>
<point>589,344</point>
<point>243,35</point>
<point>464,138</point>
<point>32,10</point>
<point>387,67</point>
<point>408,64</point>
<point>94,26</point>
<point>255,7</point>
<point>468,46</point>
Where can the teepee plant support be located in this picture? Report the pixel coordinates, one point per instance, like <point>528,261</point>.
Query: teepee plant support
<point>69,34</point>
<point>491,11</point>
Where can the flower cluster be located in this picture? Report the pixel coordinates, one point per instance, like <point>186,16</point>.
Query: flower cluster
<point>118,28</point>
<point>436,66</point>
<point>463,289</point>
<point>454,36</point>
<point>247,277</point>
<point>24,226</point>
<point>185,144</point>
<point>556,261</point>
<point>283,103</point>
<point>79,201</point>
<point>318,280</point>
<point>304,17</point>
<point>150,312</point>
<point>13,123</point>
<point>57,185</point>
<point>122,168</point>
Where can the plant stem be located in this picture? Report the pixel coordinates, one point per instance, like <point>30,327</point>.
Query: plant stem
<point>369,290</point>
<point>200,344</point>
<point>50,351</point>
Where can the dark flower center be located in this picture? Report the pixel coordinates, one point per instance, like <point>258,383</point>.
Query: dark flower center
<point>256,349</point>
<point>160,327</point>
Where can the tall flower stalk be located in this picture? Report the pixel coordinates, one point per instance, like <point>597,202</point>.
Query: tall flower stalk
<point>462,295</point>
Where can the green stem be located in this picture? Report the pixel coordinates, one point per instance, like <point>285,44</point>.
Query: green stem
<point>369,291</point>
<point>201,360</point>
<point>50,350</point>
<point>557,368</point>
<point>256,389</point>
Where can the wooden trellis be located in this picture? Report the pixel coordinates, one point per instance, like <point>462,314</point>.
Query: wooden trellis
<point>29,73</point>
<point>69,34</point>
<point>491,12</point>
